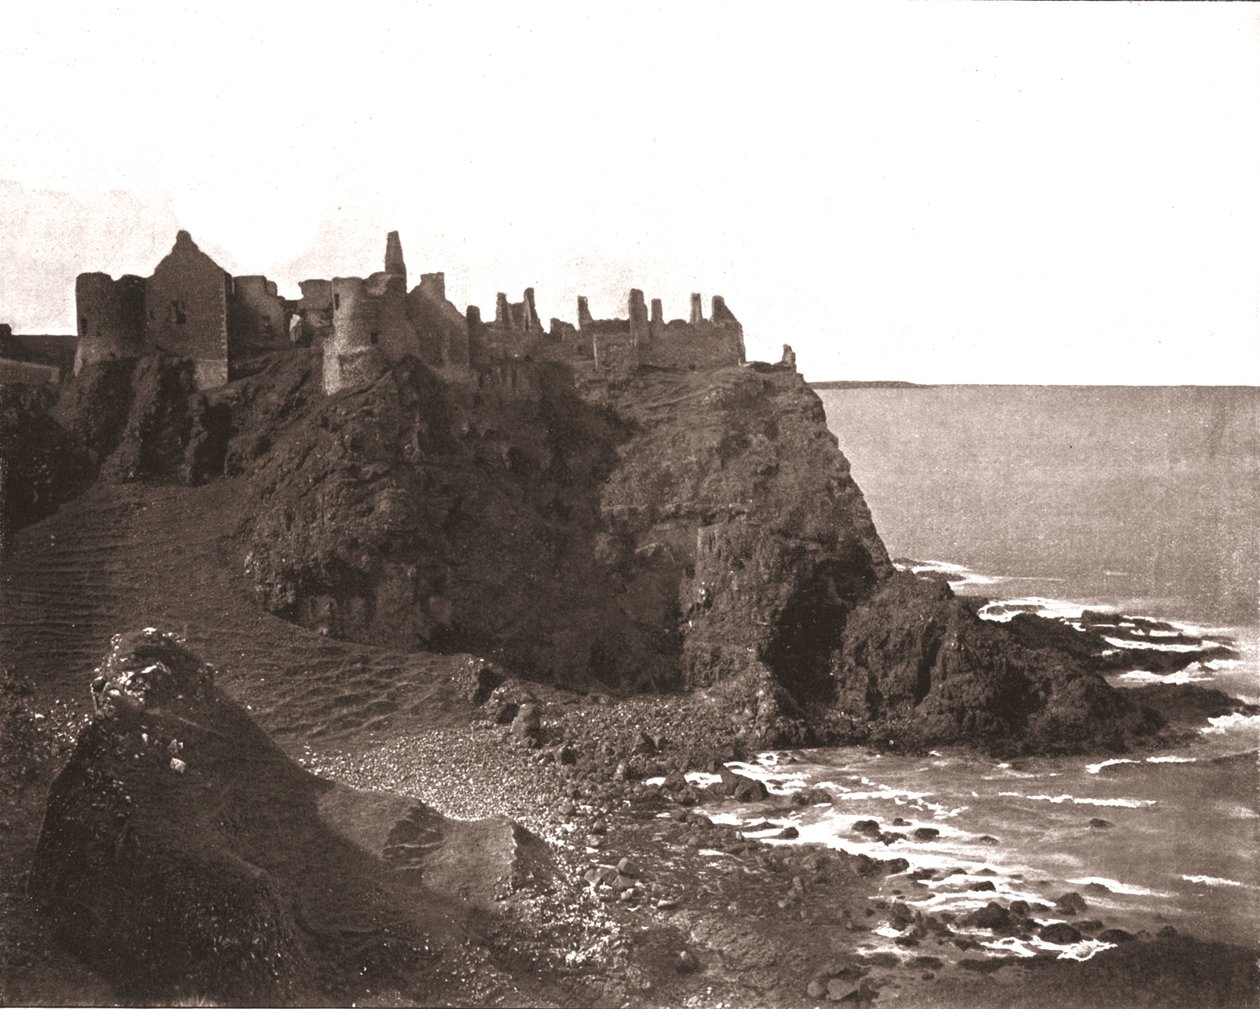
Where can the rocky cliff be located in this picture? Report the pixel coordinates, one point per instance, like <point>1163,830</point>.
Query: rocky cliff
<point>667,530</point>
<point>119,420</point>
<point>664,530</point>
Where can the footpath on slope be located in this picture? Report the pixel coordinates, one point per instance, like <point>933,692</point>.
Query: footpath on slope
<point>126,556</point>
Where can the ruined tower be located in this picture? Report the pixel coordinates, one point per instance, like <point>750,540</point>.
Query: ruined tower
<point>110,317</point>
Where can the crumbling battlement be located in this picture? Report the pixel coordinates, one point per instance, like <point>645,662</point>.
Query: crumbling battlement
<point>515,333</point>
<point>441,327</point>
<point>191,307</point>
<point>645,340</point>
<point>257,318</point>
<point>612,346</point>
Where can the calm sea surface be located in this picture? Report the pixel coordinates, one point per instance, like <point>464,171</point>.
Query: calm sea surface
<point>1138,499</point>
<point>1142,497</point>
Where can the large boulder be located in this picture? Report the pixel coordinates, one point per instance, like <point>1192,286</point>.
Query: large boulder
<point>184,855</point>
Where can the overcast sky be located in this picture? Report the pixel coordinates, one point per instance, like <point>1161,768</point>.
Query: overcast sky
<point>939,192</point>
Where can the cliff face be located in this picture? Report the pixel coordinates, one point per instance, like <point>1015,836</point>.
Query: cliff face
<point>737,511</point>
<point>668,529</point>
<point>662,530</point>
<point>118,420</point>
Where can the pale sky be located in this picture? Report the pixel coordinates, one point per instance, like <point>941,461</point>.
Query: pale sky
<point>936,192</point>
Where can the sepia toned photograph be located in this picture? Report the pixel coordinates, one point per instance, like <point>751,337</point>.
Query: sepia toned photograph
<point>628,506</point>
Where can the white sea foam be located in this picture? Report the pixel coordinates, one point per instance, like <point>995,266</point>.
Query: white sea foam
<point>700,778</point>
<point>954,891</point>
<point>1060,609</point>
<point>1212,881</point>
<point>1078,801</point>
<point>877,791</point>
<point>1139,676</point>
<point>1115,886</point>
<point>1082,950</point>
<point>1155,646</point>
<point>1095,768</point>
<point>960,574</point>
<point>1170,759</point>
<point>1235,720</point>
<point>1011,945</point>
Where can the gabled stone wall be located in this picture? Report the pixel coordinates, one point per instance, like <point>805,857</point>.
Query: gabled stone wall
<point>186,311</point>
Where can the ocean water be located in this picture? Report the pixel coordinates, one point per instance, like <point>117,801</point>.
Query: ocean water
<point>1142,501</point>
<point>1145,498</point>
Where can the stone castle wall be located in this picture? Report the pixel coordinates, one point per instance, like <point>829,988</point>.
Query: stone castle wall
<point>27,373</point>
<point>687,346</point>
<point>257,319</point>
<point>367,315</point>
<point>441,327</point>
<point>646,340</point>
<point>315,309</point>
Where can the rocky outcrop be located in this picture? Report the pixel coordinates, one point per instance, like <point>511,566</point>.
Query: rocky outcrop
<point>918,667</point>
<point>118,420</point>
<point>733,497</point>
<point>664,529</point>
<point>668,529</point>
<point>661,529</point>
<point>183,855</point>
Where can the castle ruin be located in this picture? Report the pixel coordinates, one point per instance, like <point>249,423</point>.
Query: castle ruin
<point>191,307</point>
